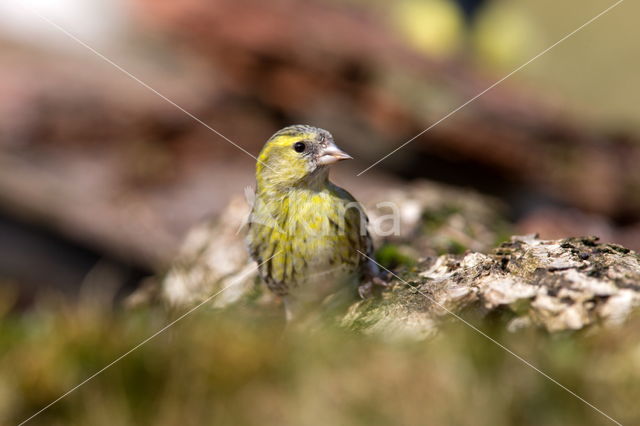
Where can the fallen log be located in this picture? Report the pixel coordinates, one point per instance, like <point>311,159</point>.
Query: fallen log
<point>558,285</point>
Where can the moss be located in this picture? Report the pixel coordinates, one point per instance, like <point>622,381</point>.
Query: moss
<point>456,247</point>
<point>206,368</point>
<point>391,257</point>
<point>213,364</point>
<point>434,219</point>
<point>503,231</point>
<point>365,319</point>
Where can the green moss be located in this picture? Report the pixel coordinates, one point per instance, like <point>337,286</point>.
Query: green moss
<point>391,256</point>
<point>503,231</point>
<point>213,365</point>
<point>456,247</point>
<point>434,219</point>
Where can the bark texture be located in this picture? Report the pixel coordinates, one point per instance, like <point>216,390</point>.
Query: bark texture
<point>556,284</point>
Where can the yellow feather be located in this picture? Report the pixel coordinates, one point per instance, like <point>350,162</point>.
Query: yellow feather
<point>314,228</point>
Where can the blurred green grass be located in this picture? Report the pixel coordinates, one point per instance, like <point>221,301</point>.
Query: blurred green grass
<point>238,367</point>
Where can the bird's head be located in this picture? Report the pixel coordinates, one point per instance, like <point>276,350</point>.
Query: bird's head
<point>297,155</point>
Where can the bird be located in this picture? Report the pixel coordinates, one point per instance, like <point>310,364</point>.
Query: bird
<point>308,236</point>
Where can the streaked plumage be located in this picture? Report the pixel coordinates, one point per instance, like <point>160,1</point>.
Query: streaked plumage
<point>314,228</point>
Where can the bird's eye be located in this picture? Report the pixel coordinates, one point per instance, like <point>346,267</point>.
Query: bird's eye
<point>299,146</point>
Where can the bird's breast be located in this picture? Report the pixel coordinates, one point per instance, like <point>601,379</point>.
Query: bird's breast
<point>311,238</point>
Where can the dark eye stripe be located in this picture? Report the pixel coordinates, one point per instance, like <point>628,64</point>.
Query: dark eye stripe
<point>299,146</point>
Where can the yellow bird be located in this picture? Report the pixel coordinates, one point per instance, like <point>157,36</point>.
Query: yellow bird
<point>308,235</point>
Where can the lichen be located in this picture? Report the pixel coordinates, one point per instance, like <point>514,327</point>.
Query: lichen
<point>558,285</point>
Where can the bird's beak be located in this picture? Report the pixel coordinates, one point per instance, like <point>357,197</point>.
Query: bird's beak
<point>332,154</point>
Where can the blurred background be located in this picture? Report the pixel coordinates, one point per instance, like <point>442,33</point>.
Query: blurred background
<point>102,177</point>
<point>96,169</point>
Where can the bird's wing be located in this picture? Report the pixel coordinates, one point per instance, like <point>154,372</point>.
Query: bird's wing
<point>358,222</point>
